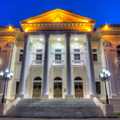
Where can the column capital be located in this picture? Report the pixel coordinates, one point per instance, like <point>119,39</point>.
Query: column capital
<point>88,36</point>
<point>68,35</point>
<point>46,36</point>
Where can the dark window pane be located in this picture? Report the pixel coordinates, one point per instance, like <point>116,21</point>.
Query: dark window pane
<point>57,78</point>
<point>57,56</point>
<point>118,53</point>
<point>21,50</point>
<point>20,57</point>
<point>17,87</point>
<point>78,78</point>
<point>98,88</point>
<point>37,78</point>
<point>95,57</point>
<point>76,56</point>
<point>39,57</point>
<point>94,50</point>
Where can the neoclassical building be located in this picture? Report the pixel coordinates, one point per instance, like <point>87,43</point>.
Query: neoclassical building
<point>59,55</point>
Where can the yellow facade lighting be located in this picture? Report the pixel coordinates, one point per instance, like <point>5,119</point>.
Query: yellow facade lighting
<point>86,21</point>
<point>89,30</point>
<point>10,27</point>
<point>26,30</point>
<point>106,26</point>
<point>76,39</point>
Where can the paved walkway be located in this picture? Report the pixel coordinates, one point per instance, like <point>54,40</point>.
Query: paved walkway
<point>59,119</point>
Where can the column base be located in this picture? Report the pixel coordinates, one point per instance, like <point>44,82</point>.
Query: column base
<point>69,96</point>
<point>21,96</point>
<point>44,97</point>
<point>92,96</point>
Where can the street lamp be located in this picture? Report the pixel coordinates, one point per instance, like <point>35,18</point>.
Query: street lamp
<point>105,76</point>
<point>5,77</point>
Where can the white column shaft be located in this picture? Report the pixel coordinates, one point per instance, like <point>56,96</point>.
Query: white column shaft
<point>68,66</point>
<point>23,69</point>
<point>46,65</point>
<point>91,67</point>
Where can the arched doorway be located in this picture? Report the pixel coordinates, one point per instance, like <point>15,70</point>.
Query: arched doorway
<point>36,87</point>
<point>78,86</point>
<point>57,88</point>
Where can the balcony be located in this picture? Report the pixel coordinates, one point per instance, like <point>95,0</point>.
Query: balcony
<point>58,63</point>
<point>77,63</point>
<point>37,63</point>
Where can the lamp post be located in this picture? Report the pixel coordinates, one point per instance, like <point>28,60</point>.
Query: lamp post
<point>5,77</point>
<point>105,76</point>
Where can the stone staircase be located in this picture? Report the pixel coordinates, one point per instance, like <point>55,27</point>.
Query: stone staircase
<point>55,108</point>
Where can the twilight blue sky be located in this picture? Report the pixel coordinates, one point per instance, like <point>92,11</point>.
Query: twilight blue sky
<point>103,11</point>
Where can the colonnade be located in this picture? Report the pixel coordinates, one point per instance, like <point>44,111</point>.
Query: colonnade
<point>45,90</point>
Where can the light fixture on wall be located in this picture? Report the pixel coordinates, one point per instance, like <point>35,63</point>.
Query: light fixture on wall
<point>59,39</point>
<point>86,21</point>
<point>41,39</point>
<point>76,39</point>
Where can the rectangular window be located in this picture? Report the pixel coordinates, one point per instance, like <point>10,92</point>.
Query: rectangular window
<point>95,57</point>
<point>94,50</point>
<point>98,88</point>
<point>21,55</point>
<point>17,87</point>
<point>76,56</point>
<point>39,56</point>
<point>58,50</point>
<point>76,50</point>
<point>57,56</point>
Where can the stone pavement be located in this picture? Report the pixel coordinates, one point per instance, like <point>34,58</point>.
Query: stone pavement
<point>60,119</point>
<point>55,108</point>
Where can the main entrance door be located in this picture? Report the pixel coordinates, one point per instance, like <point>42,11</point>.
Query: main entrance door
<point>57,90</point>
<point>36,90</point>
<point>78,90</point>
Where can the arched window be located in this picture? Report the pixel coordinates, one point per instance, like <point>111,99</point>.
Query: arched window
<point>118,50</point>
<point>57,78</point>
<point>37,79</point>
<point>78,78</point>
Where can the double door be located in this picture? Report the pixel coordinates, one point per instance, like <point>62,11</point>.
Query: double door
<point>36,90</point>
<point>57,90</point>
<point>78,90</point>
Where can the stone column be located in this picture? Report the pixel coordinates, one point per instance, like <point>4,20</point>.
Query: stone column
<point>21,91</point>
<point>91,69</point>
<point>113,87</point>
<point>68,70</point>
<point>45,83</point>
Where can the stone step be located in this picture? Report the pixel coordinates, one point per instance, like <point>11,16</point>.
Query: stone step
<point>54,108</point>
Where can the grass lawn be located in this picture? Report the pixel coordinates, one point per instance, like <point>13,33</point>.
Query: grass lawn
<point>117,114</point>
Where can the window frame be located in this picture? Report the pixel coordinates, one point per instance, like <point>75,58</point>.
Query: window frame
<point>58,53</point>
<point>41,53</point>
<point>100,87</point>
<point>77,53</point>
<point>96,54</point>
<point>20,53</point>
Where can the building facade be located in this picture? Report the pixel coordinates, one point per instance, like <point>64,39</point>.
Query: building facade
<point>59,55</point>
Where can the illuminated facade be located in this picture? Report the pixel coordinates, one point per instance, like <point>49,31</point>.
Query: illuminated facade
<point>59,54</point>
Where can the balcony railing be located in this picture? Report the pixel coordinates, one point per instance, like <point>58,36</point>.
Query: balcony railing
<point>57,63</point>
<point>77,63</point>
<point>38,63</point>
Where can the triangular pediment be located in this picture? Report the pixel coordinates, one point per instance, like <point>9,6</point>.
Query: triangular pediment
<point>57,15</point>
